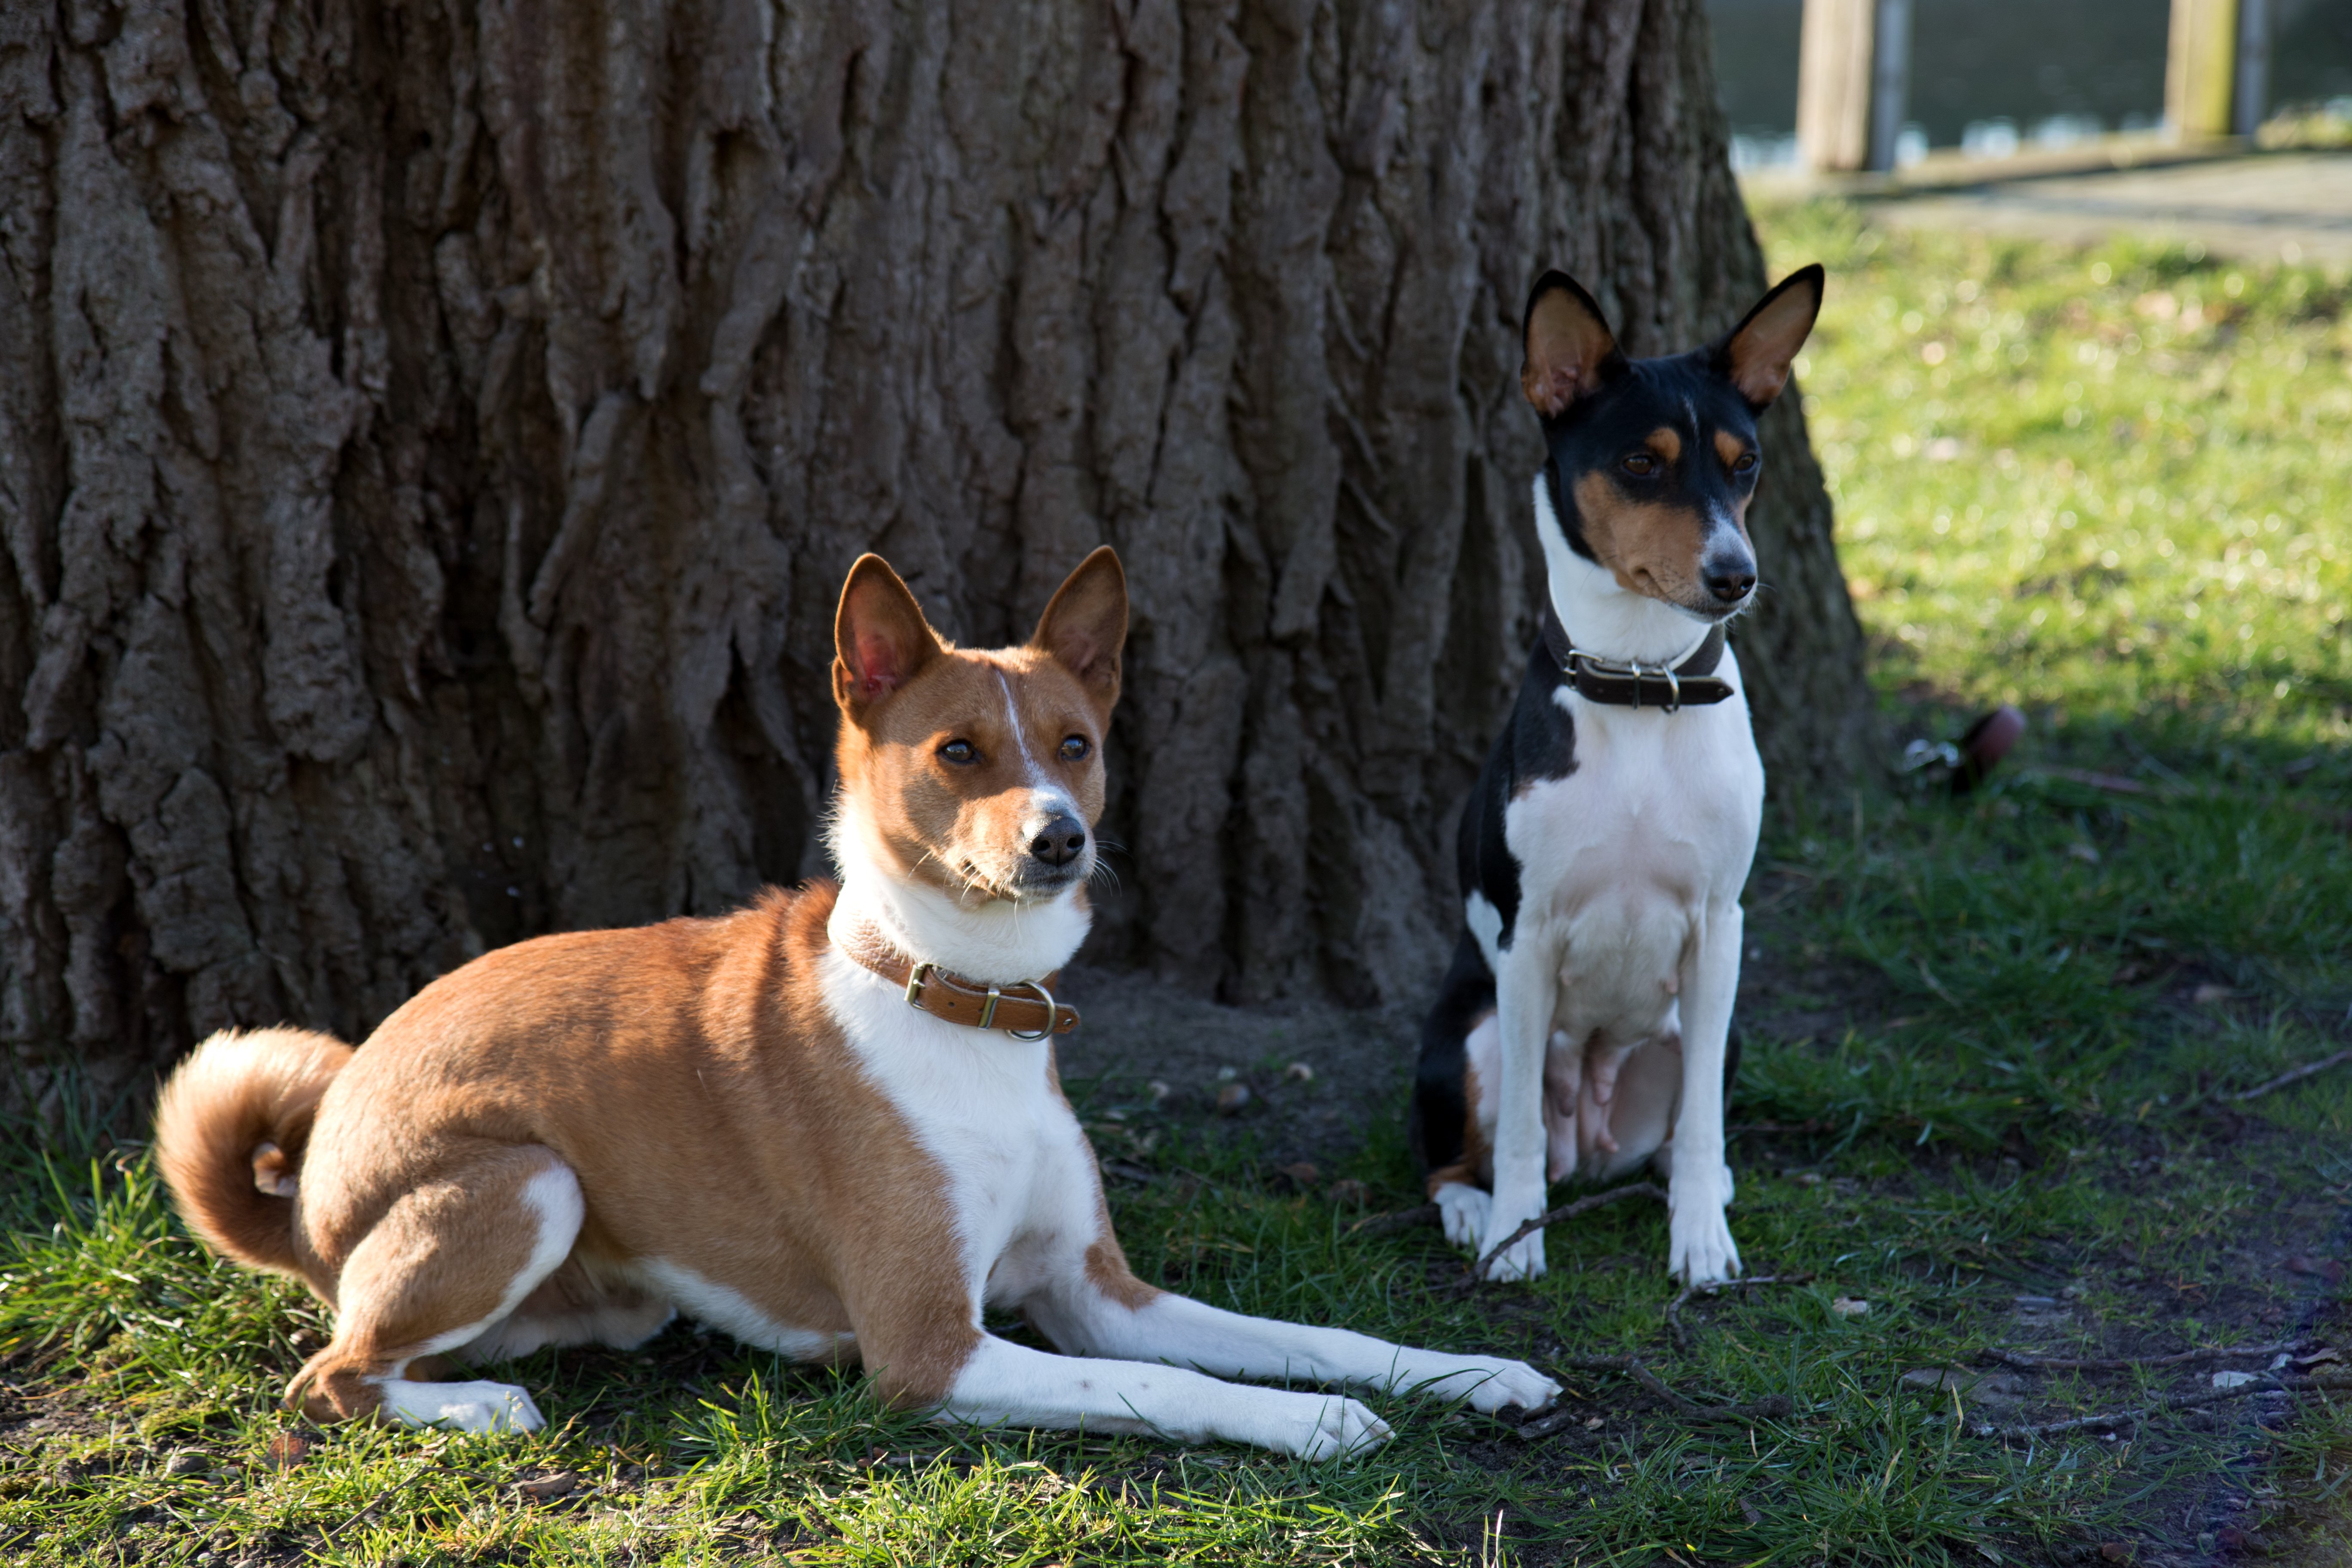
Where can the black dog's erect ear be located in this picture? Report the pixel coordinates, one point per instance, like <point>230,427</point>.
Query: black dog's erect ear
<point>1755,355</point>
<point>1571,348</point>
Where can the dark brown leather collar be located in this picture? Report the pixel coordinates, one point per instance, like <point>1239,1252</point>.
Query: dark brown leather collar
<point>930,989</point>
<point>1631,685</point>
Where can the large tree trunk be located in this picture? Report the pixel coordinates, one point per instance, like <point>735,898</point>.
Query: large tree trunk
<point>433,433</point>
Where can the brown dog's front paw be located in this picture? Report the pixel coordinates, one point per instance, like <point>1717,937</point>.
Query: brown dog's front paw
<point>325,1391</point>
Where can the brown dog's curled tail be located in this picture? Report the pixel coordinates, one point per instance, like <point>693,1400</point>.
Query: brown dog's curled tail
<point>230,1133</point>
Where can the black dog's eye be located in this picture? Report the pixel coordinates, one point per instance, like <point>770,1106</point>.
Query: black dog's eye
<point>1640,465</point>
<point>1744,464</point>
<point>1075,749</point>
<point>958,752</point>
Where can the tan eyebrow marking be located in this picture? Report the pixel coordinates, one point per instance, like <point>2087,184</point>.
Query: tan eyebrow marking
<point>1729,446</point>
<point>1666,442</point>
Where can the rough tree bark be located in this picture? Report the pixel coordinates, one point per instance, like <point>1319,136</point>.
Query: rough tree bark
<point>433,432</point>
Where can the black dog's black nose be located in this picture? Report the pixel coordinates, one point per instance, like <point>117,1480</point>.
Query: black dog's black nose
<point>1731,584</point>
<point>1063,841</point>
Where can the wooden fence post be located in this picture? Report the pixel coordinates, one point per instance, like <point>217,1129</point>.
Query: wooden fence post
<point>1853,75</point>
<point>2200,68</point>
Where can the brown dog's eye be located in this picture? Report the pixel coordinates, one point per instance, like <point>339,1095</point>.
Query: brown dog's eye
<point>1640,465</point>
<point>958,752</point>
<point>1075,749</point>
<point>1744,464</point>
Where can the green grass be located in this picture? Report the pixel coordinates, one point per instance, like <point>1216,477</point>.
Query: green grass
<point>2111,483</point>
<point>2013,1021</point>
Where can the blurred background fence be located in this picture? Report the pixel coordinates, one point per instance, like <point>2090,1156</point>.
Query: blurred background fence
<point>1881,84</point>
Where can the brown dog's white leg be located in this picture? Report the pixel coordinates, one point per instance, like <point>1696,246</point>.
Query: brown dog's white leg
<point>1013,1384</point>
<point>446,1264</point>
<point>1108,1313</point>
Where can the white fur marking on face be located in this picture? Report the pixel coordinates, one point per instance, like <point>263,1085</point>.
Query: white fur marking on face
<point>721,1307</point>
<point>1020,737</point>
<point>1046,796</point>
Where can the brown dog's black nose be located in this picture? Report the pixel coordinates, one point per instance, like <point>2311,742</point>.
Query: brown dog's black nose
<point>1731,584</point>
<point>1063,839</point>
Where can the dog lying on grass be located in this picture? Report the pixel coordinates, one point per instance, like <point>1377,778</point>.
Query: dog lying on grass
<point>828,1123</point>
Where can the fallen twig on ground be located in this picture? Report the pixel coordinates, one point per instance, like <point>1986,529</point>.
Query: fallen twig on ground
<point>2131,1363</point>
<point>2309,1069</point>
<point>2265,1384</point>
<point>1675,1307</point>
<point>1398,1219</point>
<point>1566,1211</point>
<point>1771,1406</point>
<point>2114,783</point>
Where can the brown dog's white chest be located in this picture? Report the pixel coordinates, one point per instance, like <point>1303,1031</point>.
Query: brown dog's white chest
<point>1014,1172</point>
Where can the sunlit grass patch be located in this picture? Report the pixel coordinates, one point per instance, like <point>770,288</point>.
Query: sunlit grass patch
<point>2112,483</point>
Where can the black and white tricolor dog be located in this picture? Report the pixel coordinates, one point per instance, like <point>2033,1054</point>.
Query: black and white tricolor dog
<point>1583,1026</point>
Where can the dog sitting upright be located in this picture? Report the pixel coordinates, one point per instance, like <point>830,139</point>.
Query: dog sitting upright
<point>828,1124</point>
<point>1583,1026</point>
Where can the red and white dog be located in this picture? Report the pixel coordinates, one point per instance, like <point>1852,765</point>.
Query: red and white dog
<point>828,1124</point>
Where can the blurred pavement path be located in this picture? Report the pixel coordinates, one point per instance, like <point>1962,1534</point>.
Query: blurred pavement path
<point>2277,206</point>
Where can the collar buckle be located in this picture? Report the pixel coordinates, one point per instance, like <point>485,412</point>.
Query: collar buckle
<point>942,993</point>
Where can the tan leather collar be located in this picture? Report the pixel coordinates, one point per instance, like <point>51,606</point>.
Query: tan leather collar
<point>1025,1009</point>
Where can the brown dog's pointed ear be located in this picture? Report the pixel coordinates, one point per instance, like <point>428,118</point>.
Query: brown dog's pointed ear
<point>1085,625</point>
<point>880,639</point>
<point>1756,355</point>
<point>1570,348</point>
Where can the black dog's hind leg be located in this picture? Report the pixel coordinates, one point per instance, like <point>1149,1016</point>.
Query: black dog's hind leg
<point>1438,1125</point>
